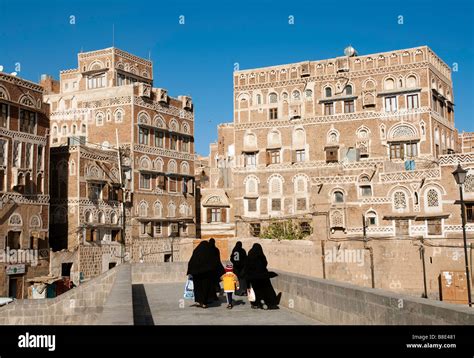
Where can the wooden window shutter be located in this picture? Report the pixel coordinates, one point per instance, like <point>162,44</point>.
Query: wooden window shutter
<point>190,186</point>
<point>223,215</point>
<point>105,192</point>
<point>162,182</point>
<point>268,157</point>
<point>120,194</point>
<point>185,185</point>
<point>209,215</point>
<point>149,229</point>
<point>88,235</point>
<point>293,156</point>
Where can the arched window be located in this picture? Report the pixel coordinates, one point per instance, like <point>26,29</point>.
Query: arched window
<point>185,128</point>
<point>400,200</point>
<point>74,129</point>
<point>272,98</point>
<point>54,131</point>
<point>101,217</point>
<point>333,137</point>
<point>300,185</point>
<point>172,166</point>
<point>15,220</point>
<point>308,94</point>
<point>250,140</point>
<point>113,218</point>
<point>411,81</point>
<point>274,139</point>
<point>174,125</point>
<point>389,84</point>
<point>371,218</point>
<point>99,119</point>
<point>84,129</point>
<point>328,92</point>
<point>251,186</point>
<point>338,197</point>
<point>88,217</point>
<point>143,118</point>
<point>363,133</point>
<point>259,99</point>
<point>348,90</point>
<point>35,221</point>
<point>158,209</point>
<point>432,198</point>
<point>299,138</point>
<point>171,210</point>
<point>143,209</point>
<point>118,116</point>
<point>64,130</point>
<point>184,168</point>
<point>296,95</point>
<point>158,164</point>
<point>275,186</point>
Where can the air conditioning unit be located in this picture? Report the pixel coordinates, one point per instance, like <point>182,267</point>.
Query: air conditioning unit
<point>187,102</point>
<point>305,69</point>
<point>144,90</point>
<point>162,95</point>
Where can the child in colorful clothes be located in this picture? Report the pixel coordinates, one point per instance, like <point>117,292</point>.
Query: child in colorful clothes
<point>230,283</point>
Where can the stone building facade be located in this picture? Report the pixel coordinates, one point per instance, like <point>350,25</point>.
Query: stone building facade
<point>343,143</point>
<point>103,110</point>
<point>24,189</point>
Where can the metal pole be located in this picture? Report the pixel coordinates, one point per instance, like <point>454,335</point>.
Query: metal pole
<point>122,232</point>
<point>463,217</point>
<point>371,251</point>
<point>422,251</point>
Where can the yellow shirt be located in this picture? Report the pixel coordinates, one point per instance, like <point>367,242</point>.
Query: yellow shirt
<point>230,281</point>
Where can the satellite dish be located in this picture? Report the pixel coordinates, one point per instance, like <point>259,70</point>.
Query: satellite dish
<point>1,68</point>
<point>350,51</point>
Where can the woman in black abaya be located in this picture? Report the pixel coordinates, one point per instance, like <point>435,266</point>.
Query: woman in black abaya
<point>258,278</point>
<point>238,257</point>
<point>201,267</point>
<point>218,270</point>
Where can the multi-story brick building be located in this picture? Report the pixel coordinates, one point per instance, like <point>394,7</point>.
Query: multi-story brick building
<point>106,108</point>
<point>24,189</point>
<point>327,142</point>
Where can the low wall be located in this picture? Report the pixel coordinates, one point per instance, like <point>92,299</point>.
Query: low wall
<point>81,305</point>
<point>397,262</point>
<point>161,272</point>
<point>340,303</point>
<point>118,307</point>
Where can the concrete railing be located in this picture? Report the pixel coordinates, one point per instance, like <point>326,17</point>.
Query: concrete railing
<point>81,305</point>
<point>118,307</point>
<point>340,303</point>
<point>108,299</point>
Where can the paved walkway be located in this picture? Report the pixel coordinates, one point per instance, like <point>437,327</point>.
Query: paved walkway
<point>166,306</point>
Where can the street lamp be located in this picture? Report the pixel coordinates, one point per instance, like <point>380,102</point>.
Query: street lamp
<point>460,176</point>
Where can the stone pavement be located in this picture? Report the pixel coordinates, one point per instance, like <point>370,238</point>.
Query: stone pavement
<point>167,307</point>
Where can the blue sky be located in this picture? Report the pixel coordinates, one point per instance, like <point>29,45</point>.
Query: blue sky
<point>198,58</point>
